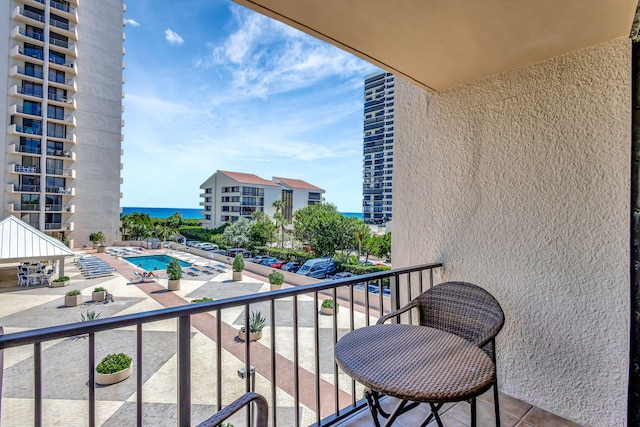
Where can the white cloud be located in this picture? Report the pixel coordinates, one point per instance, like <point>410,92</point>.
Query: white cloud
<point>265,57</point>
<point>132,22</point>
<point>173,37</point>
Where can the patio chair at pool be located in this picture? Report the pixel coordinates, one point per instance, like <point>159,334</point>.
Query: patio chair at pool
<point>139,278</point>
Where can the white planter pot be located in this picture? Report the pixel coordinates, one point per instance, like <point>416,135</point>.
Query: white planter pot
<point>60,284</point>
<point>329,311</point>
<point>72,301</point>
<point>99,296</point>
<point>242,335</point>
<point>237,276</point>
<point>275,287</point>
<point>174,285</point>
<point>116,377</point>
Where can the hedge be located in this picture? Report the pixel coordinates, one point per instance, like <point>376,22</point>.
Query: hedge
<point>287,255</point>
<point>363,269</point>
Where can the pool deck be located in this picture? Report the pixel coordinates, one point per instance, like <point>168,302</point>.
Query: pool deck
<point>64,361</point>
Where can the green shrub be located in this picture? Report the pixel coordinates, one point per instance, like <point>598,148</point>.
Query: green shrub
<point>174,271</point>
<point>328,303</point>
<point>359,270</point>
<point>73,293</point>
<point>238,263</point>
<point>91,315</point>
<point>276,278</point>
<point>204,299</point>
<point>97,238</point>
<point>113,363</point>
<point>99,289</point>
<point>62,279</point>
<point>286,255</point>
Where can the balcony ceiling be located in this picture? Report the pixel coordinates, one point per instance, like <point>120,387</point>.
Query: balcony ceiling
<point>439,44</point>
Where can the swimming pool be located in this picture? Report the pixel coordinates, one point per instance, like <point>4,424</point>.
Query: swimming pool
<point>153,262</point>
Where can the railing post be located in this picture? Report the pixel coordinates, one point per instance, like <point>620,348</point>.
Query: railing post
<point>1,369</point>
<point>184,371</point>
<point>394,285</point>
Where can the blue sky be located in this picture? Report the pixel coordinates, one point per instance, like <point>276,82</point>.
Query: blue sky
<point>211,85</point>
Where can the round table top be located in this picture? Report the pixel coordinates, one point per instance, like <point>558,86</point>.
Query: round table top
<point>415,363</point>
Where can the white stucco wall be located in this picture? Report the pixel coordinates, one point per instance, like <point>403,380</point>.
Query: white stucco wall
<point>520,184</point>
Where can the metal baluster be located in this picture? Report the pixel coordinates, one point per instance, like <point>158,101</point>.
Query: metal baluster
<point>247,360</point>
<point>409,293</point>
<point>316,338</point>
<point>1,369</point>
<point>219,359</point>
<point>335,340</point>
<point>37,386</point>
<point>92,379</point>
<point>274,417</point>
<point>139,375</point>
<point>296,361</point>
<point>184,371</point>
<point>351,327</point>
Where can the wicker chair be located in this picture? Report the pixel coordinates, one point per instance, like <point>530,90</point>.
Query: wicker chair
<point>463,309</point>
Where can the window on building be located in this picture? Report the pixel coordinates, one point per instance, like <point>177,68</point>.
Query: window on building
<point>287,204</point>
<point>33,108</point>
<point>54,112</point>
<point>56,130</point>
<point>56,76</point>
<point>33,70</point>
<point>32,89</point>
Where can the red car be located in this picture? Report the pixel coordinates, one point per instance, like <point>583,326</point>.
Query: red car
<point>277,264</point>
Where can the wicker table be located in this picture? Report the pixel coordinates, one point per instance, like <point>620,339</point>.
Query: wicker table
<point>415,363</point>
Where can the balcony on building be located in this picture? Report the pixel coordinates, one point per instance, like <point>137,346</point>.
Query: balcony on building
<point>33,94</point>
<point>60,208</point>
<point>64,154</point>
<point>67,66</point>
<point>31,74</point>
<point>20,169</point>
<point>59,100</point>
<point>67,120</point>
<point>24,150</point>
<point>33,111</point>
<point>28,17</point>
<point>69,48</point>
<point>63,28</point>
<point>64,191</point>
<point>31,54</point>
<point>21,130</point>
<point>59,226</point>
<point>64,10</point>
<point>24,207</point>
<point>27,35</point>
<point>66,173</point>
<point>21,188</point>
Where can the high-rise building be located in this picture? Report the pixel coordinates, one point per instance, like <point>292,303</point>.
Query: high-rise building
<point>377,178</point>
<point>228,196</point>
<point>62,99</point>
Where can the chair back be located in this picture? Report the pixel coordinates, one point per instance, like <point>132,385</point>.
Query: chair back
<point>463,309</point>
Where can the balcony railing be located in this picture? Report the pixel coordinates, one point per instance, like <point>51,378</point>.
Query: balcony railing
<point>27,207</point>
<point>26,188</point>
<point>31,52</point>
<point>32,15</point>
<point>31,34</point>
<point>61,6</point>
<point>62,25</point>
<point>26,169</point>
<point>328,396</point>
<point>31,73</point>
<point>30,130</point>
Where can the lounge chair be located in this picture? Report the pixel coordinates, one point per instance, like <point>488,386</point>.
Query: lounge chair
<point>98,273</point>
<point>141,278</point>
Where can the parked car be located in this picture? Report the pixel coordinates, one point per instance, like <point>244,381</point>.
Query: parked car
<point>342,275</point>
<point>208,247</point>
<point>191,243</point>
<point>267,260</point>
<point>373,288</point>
<point>258,259</point>
<point>276,264</point>
<point>291,267</point>
<point>233,252</point>
<point>318,268</point>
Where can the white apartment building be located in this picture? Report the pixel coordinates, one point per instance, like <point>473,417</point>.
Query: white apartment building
<point>228,196</point>
<point>378,128</point>
<point>62,103</point>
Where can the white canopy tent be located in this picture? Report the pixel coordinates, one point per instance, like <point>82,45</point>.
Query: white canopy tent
<point>21,242</point>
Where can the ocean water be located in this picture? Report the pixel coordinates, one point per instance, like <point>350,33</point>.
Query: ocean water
<point>192,213</point>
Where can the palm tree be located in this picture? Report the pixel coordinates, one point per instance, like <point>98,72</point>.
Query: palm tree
<point>280,219</point>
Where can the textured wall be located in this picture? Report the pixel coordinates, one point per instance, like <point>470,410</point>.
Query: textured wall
<point>520,183</point>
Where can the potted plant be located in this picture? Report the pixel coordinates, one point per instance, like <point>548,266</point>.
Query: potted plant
<point>238,266</point>
<point>256,323</point>
<point>174,271</point>
<point>98,241</point>
<point>99,294</point>
<point>73,298</point>
<point>113,369</point>
<point>91,315</point>
<point>276,279</point>
<point>328,307</point>
<point>60,281</point>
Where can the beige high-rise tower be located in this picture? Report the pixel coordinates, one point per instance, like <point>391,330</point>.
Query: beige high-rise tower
<point>61,92</point>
